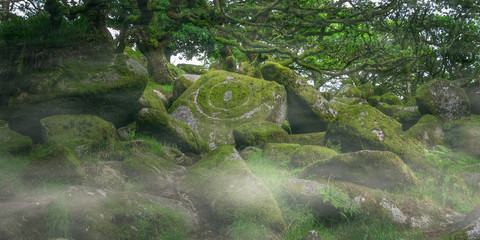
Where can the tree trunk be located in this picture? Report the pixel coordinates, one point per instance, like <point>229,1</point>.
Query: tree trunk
<point>157,66</point>
<point>96,13</point>
<point>5,10</point>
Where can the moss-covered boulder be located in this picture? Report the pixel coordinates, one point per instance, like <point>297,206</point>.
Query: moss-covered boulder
<point>306,194</point>
<point>390,98</point>
<point>295,155</point>
<point>308,110</point>
<point>166,128</point>
<point>101,85</point>
<point>373,169</point>
<point>54,164</point>
<point>220,101</point>
<point>222,182</point>
<point>464,134</point>
<point>80,133</point>
<point>308,138</point>
<point>11,141</point>
<point>428,130</point>
<point>407,116</point>
<point>156,173</point>
<point>259,134</point>
<point>192,69</point>
<point>154,98</point>
<point>329,200</point>
<point>182,83</point>
<point>348,91</point>
<point>362,127</point>
<point>443,99</point>
<point>396,208</point>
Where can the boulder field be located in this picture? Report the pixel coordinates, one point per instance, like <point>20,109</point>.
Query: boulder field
<point>225,155</point>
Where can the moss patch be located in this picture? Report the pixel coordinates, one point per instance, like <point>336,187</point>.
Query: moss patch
<point>428,130</point>
<point>108,214</point>
<point>308,138</point>
<point>11,141</point>
<point>192,69</point>
<point>259,134</point>
<point>390,98</point>
<point>295,155</point>
<point>152,97</point>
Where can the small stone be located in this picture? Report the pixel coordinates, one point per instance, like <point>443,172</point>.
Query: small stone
<point>313,235</point>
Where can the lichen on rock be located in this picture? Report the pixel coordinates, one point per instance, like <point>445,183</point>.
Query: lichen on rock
<point>443,99</point>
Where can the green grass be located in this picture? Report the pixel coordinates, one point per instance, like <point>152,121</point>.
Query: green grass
<point>59,220</point>
<point>443,182</point>
<point>167,87</point>
<point>245,230</point>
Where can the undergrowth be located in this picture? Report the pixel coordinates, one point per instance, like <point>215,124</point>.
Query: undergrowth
<point>300,219</point>
<point>59,220</point>
<point>443,182</point>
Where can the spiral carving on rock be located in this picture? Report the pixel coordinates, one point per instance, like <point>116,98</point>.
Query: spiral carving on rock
<point>229,99</point>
